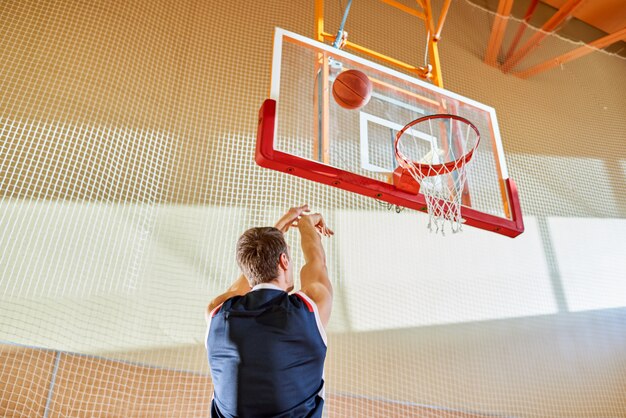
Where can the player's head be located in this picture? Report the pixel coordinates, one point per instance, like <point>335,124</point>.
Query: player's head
<point>262,254</point>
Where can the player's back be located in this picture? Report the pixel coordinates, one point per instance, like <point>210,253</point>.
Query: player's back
<point>266,351</point>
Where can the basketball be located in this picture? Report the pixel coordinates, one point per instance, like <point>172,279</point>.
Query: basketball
<point>352,89</point>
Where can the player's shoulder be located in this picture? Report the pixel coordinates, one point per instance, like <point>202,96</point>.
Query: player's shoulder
<point>315,296</point>
<point>302,300</point>
<point>213,309</point>
<point>318,292</point>
<point>322,298</point>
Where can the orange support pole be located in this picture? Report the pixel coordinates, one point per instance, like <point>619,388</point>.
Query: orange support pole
<point>442,19</point>
<point>559,17</point>
<point>319,20</point>
<point>497,32</point>
<point>321,146</point>
<point>428,12</point>
<point>433,50</point>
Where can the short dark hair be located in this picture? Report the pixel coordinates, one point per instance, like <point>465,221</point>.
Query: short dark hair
<point>258,253</point>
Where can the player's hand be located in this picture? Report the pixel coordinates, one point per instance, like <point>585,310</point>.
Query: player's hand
<point>290,218</point>
<point>317,221</point>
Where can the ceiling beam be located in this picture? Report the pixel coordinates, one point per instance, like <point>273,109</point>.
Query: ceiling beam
<point>497,32</point>
<point>550,26</point>
<point>442,19</point>
<point>603,42</point>
<point>522,28</point>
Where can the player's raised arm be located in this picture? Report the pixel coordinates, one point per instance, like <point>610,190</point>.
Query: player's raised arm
<point>241,286</point>
<point>314,274</point>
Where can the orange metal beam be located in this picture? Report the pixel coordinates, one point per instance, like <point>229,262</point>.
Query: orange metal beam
<point>405,9</point>
<point>522,28</point>
<point>321,134</point>
<point>319,20</point>
<point>552,24</point>
<point>433,50</point>
<point>382,57</point>
<point>427,101</point>
<point>426,15</point>
<point>574,54</point>
<point>497,32</point>
<point>325,145</point>
<point>430,23</point>
<point>442,19</point>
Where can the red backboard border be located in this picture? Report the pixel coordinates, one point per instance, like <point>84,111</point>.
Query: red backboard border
<point>268,157</point>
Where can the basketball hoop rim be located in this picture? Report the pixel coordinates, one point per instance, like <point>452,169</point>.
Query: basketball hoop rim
<point>435,169</point>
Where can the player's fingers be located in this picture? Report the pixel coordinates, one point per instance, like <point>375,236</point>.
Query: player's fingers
<point>298,210</point>
<point>324,230</point>
<point>302,208</point>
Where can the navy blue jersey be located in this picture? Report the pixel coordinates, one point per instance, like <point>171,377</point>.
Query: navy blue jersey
<point>266,351</point>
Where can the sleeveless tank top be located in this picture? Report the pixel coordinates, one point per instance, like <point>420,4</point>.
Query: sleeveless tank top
<point>266,352</point>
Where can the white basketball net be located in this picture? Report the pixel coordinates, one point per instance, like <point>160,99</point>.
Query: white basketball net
<point>435,151</point>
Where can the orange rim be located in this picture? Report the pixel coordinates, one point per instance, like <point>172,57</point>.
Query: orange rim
<point>428,170</point>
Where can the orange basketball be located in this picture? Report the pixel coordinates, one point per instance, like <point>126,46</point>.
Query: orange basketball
<point>352,89</point>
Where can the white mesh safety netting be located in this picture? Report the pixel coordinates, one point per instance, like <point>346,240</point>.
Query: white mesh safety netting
<point>127,136</point>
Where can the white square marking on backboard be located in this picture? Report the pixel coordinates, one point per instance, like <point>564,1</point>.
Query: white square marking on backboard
<point>365,118</point>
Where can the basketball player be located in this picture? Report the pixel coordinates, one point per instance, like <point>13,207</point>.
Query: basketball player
<point>266,347</point>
